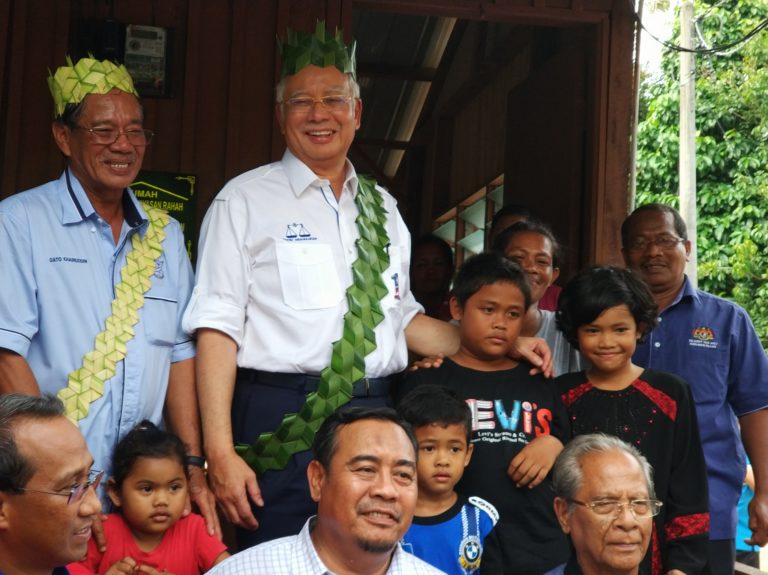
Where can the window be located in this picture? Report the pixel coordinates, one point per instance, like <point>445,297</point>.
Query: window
<point>465,227</point>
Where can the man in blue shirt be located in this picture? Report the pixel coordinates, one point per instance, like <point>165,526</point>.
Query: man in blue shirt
<point>711,343</point>
<point>95,283</point>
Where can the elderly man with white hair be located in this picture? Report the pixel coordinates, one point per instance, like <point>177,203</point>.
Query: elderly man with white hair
<point>605,502</point>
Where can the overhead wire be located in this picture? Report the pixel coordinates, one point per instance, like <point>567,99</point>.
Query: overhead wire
<point>718,49</point>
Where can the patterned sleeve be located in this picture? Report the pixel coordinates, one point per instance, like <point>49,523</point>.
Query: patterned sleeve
<point>561,424</point>
<point>687,519</point>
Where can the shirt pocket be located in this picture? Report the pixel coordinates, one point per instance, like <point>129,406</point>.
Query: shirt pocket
<point>308,275</point>
<point>709,374</point>
<point>160,321</point>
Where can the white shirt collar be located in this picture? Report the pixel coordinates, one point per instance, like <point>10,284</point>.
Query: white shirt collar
<point>302,178</point>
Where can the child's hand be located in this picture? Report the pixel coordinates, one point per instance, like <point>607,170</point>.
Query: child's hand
<point>151,570</point>
<point>126,566</point>
<point>427,362</point>
<point>97,532</point>
<point>531,465</point>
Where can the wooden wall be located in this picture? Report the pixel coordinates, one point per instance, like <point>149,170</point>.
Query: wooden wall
<point>589,211</point>
<point>219,121</point>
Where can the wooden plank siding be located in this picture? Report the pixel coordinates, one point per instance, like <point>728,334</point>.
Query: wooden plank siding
<point>219,119</point>
<point>590,226</point>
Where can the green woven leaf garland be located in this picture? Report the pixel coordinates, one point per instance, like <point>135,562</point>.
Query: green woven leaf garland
<point>272,450</point>
<point>301,49</point>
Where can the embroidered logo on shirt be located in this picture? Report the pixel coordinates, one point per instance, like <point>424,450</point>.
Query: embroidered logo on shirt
<point>297,232</point>
<point>396,280</point>
<point>703,333</point>
<point>469,557</point>
<point>159,267</point>
<point>703,337</point>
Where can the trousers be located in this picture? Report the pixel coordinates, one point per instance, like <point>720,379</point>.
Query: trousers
<point>260,401</point>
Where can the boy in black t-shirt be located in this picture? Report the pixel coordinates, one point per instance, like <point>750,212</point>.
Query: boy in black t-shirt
<point>519,423</point>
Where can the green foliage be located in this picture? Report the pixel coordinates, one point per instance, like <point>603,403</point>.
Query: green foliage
<point>732,154</point>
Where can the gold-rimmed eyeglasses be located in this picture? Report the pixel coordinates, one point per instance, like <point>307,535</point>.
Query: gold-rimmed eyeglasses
<point>107,136</point>
<point>640,508</point>
<point>77,491</point>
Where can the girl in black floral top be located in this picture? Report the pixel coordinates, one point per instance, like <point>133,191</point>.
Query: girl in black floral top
<point>604,312</point>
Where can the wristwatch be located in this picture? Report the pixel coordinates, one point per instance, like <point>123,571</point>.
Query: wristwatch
<point>195,460</point>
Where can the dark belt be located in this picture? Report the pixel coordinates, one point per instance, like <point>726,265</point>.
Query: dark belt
<point>365,387</point>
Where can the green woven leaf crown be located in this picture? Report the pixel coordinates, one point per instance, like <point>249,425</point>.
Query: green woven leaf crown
<point>71,84</point>
<point>301,49</point>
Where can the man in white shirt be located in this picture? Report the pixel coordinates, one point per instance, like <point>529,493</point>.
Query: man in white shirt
<point>277,334</point>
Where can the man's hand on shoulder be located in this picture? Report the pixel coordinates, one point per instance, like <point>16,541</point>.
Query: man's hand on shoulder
<point>535,351</point>
<point>235,487</point>
<point>205,500</point>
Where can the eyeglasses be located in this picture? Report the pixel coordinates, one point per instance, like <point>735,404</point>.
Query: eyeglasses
<point>662,242</point>
<point>77,491</point>
<point>303,104</point>
<point>640,508</point>
<point>108,136</point>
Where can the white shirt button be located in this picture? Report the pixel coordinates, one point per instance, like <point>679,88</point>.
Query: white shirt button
<point>657,344</point>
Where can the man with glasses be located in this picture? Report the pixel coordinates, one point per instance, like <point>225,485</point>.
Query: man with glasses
<point>605,502</point>
<point>47,498</point>
<point>712,344</point>
<point>94,283</point>
<point>302,300</point>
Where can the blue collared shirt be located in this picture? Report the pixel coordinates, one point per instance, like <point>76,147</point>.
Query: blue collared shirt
<point>59,265</point>
<point>711,343</point>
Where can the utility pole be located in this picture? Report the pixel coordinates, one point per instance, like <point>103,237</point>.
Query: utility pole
<point>687,162</point>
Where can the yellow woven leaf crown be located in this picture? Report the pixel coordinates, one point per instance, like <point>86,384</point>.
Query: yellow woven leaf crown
<point>301,49</point>
<point>71,84</point>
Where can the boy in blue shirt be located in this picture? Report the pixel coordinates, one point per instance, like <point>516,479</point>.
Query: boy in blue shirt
<point>519,423</point>
<point>448,530</point>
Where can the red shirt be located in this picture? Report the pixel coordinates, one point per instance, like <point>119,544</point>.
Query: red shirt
<point>549,300</point>
<point>186,548</point>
